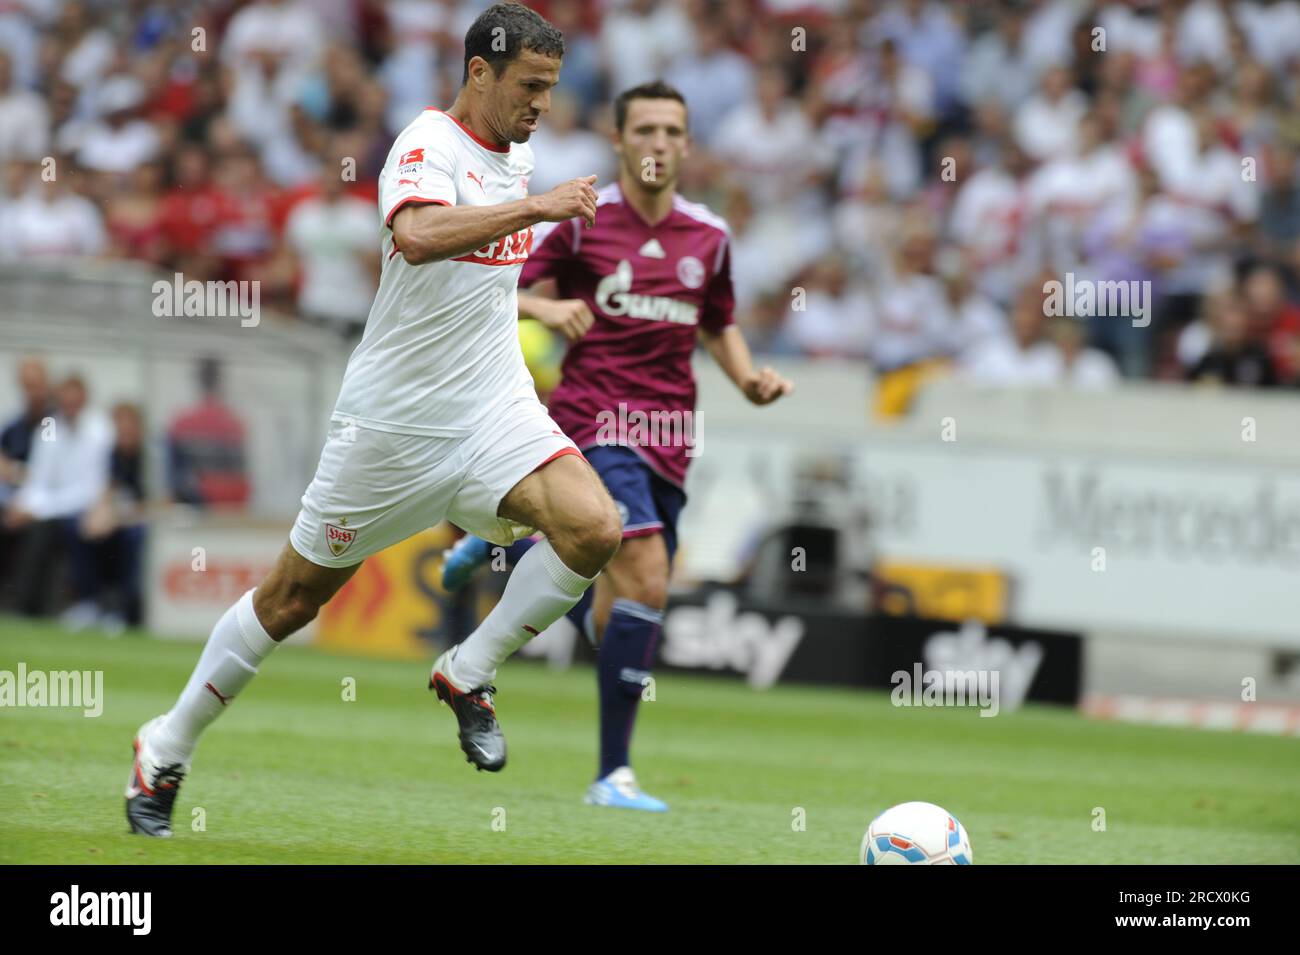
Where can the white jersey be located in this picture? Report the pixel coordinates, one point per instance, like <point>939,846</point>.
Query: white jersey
<point>441,349</point>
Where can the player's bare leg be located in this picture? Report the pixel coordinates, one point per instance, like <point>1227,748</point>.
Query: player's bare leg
<point>287,599</point>
<point>628,612</point>
<point>567,502</point>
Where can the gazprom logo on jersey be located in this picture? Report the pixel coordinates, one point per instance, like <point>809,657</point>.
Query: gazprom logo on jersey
<point>614,297</point>
<point>648,429</point>
<point>512,249</point>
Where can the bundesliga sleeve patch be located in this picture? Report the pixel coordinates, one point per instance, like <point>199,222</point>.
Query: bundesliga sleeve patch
<point>412,161</point>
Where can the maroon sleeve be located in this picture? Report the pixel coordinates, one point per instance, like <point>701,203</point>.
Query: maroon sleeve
<point>719,298</point>
<point>553,252</point>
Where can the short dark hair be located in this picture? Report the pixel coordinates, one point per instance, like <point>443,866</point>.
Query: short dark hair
<point>502,30</point>
<point>655,89</point>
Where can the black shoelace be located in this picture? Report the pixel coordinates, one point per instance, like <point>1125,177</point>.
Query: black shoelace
<point>167,795</point>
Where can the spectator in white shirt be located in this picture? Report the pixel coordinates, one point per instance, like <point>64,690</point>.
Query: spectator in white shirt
<point>49,221</point>
<point>639,39</point>
<point>912,320</point>
<point>66,475</point>
<point>1024,358</point>
<point>1081,366</point>
<point>122,140</point>
<point>835,319</point>
<point>333,237</point>
<point>288,32</point>
<point>713,78</point>
<point>770,143</point>
<point>1047,124</point>
<point>996,66</point>
<point>24,120</point>
<point>564,150</point>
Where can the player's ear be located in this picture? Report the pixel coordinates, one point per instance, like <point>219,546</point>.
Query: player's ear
<point>477,72</point>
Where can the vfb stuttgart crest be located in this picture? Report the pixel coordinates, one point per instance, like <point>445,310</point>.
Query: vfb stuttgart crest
<point>338,537</point>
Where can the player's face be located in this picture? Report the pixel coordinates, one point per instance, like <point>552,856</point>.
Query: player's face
<point>521,94</point>
<point>653,142</point>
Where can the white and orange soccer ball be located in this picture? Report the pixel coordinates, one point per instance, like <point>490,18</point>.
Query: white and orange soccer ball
<point>916,833</point>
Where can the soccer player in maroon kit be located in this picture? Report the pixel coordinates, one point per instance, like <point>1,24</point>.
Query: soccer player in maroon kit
<point>634,294</point>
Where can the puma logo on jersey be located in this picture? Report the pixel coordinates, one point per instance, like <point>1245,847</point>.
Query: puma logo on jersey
<point>478,180</point>
<point>411,182</point>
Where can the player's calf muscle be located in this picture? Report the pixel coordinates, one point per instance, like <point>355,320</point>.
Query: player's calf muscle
<point>639,571</point>
<point>294,591</point>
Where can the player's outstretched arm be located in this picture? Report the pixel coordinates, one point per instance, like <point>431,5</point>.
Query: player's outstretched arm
<point>762,386</point>
<point>431,232</point>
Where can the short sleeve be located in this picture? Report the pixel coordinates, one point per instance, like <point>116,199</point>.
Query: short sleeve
<point>421,167</point>
<point>553,251</point>
<point>719,297</point>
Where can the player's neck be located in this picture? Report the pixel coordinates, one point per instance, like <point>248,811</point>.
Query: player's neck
<point>653,207</point>
<point>472,120</point>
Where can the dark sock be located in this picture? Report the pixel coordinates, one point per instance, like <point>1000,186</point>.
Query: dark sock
<point>625,660</point>
<point>515,552</point>
<point>577,614</point>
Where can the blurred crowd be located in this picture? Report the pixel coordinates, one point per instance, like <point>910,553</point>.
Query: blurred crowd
<point>73,499</point>
<point>902,178</point>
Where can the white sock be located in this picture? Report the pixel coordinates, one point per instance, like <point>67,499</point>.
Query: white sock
<point>238,644</point>
<point>539,592</point>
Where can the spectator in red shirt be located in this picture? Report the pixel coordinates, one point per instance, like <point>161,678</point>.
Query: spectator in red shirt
<point>205,449</point>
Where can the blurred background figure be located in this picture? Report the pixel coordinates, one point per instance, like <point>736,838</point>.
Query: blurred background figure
<point>67,471</point>
<point>205,448</point>
<point>15,452</point>
<point>331,238</point>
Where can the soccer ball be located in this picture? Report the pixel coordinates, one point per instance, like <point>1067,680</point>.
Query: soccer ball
<point>916,833</point>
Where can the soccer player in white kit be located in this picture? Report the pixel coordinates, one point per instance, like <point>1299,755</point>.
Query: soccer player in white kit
<point>437,416</point>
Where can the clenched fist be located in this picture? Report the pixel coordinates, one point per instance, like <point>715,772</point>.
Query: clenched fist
<point>570,316</point>
<point>765,386</point>
<point>577,197</point>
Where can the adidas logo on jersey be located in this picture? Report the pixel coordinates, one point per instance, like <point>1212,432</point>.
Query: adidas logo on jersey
<point>652,250</point>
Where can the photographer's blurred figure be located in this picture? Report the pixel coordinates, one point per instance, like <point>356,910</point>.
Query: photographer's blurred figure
<point>67,473</point>
<point>112,531</point>
<point>15,450</point>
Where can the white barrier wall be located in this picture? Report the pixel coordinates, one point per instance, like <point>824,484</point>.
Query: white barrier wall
<point>1156,509</point>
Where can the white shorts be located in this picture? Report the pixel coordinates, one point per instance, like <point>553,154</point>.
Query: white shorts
<point>375,488</point>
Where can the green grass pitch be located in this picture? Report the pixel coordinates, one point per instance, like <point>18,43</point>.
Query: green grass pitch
<point>293,773</point>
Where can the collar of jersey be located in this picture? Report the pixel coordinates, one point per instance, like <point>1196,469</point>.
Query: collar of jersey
<point>469,132</point>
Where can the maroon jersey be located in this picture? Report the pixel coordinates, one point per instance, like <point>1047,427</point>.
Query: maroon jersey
<point>628,380</point>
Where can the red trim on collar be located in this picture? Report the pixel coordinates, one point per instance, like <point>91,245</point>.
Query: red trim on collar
<point>469,132</point>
